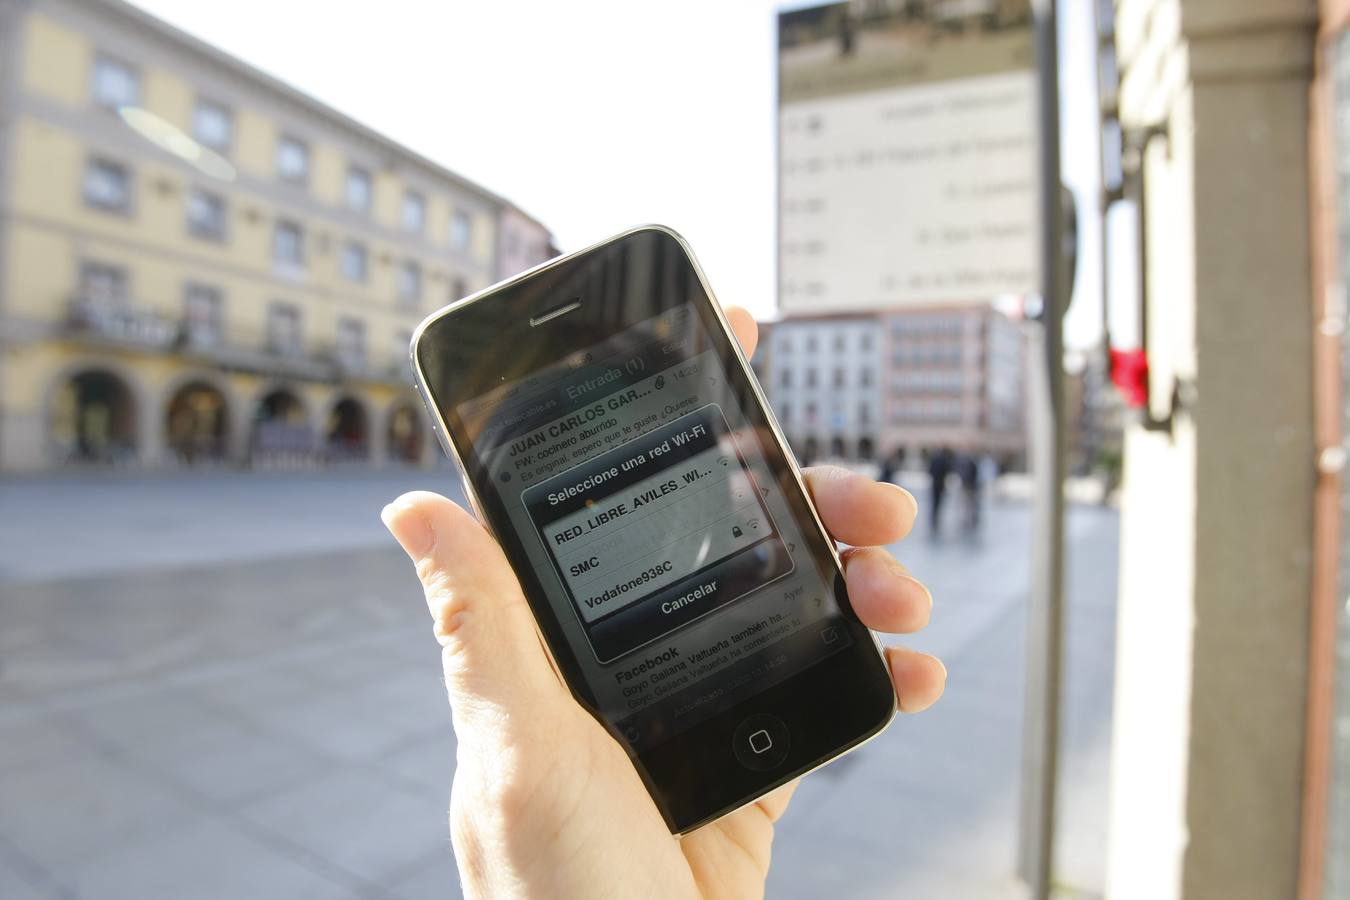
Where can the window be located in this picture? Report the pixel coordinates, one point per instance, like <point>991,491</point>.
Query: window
<point>811,343</point>
<point>116,84</point>
<point>288,245</point>
<point>785,379</point>
<point>283,328</point>
<point>414,212</point>
<point>103,285</point>
<point>293,160</point>
<point>351,343</point>
<point>354,261</point>
<point>865,377</point>
<point>107,185</point>
<point>459,288</point>
<point>866,341</point>
<point>864,414</point>
<point>838,377</point>
<point>206,215</point>
<point>357,191</point>
<point>410,283</point>
<point>785,345</point>
<point>810,378</point>
<point>785,415</point>
<point>839,342</point>
<point>212,125</point>
<point>202,314</point>
<point>461,230</point>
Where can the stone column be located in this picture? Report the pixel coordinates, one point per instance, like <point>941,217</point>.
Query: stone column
<point>1217,514</point>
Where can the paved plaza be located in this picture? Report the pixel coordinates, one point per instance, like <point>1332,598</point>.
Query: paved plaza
<point>225,686</point>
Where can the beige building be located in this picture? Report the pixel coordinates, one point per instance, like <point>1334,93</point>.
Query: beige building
<point>199,264</point>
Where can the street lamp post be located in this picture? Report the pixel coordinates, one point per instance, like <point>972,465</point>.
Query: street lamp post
<point>1045,613</point>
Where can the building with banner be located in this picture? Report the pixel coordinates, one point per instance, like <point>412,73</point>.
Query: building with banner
<point>955,378</point>
<point>899,384</point>
<point>202,265</point>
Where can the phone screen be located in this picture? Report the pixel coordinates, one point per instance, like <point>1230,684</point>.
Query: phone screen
<point>641,490</point>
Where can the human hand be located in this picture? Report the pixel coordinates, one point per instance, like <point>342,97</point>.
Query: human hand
<point>545,802</point>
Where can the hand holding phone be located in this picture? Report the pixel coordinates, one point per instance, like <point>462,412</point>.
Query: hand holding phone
<point>545,802</point>
<point>538,773</point>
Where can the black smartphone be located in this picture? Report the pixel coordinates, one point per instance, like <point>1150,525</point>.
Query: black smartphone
<point>612,436</point>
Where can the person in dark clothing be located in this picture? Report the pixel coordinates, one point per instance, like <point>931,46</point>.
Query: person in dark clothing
<point>939,467</point>
<point>968,470</point>
<point>887,469</point>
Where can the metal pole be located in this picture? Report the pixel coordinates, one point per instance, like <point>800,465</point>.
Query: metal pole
<point>1045,614</point>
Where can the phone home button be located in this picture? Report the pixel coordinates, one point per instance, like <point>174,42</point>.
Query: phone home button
<point>761,742</point>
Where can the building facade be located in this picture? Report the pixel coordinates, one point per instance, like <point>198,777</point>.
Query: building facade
<point>522,242</point>
<point>823,377</point>
<point>955,379</point>
<point>898,383</point>
<point>201,265</point>
<point>1095,415</point>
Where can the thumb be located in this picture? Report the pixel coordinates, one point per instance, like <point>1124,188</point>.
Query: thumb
<point>496,671</point>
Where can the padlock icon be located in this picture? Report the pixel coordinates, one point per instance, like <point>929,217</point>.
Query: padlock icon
<point>736,531</point>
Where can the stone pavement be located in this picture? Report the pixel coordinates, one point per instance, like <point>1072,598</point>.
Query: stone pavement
<point>198,700</point>
<point>929,809</point>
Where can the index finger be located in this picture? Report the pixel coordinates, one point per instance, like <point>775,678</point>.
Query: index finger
<point>858,510</point>
<point>743,324</point>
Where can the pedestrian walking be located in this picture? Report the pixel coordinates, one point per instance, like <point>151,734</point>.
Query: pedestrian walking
<point>939,467</point>
<point>968,470</point>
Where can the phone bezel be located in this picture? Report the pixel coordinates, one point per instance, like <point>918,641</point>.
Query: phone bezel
<point>694,776</point>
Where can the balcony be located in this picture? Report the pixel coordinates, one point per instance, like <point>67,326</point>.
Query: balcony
<point>124,325</point>
<point>272,361</point>
<point>119,323</point>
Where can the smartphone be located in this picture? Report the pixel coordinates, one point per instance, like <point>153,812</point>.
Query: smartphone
<point>612,436</point>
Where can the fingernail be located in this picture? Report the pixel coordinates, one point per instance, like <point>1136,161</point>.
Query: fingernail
<point>409,527</point>
<point>909,498</point>
<point>942,666</point>
<point>923,587</point>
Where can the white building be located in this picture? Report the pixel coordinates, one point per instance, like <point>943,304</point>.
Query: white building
<point>824,377</point>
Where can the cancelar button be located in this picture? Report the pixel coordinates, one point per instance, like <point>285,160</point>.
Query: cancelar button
<point>761,742</point>
<point>684,601</point>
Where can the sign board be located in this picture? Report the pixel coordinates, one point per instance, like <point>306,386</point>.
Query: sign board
<point>907,154</point>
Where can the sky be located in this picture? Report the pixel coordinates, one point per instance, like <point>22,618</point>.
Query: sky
<point>596,115</point>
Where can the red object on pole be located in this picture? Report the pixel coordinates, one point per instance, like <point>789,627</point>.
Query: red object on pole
<point>1129,373</point>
